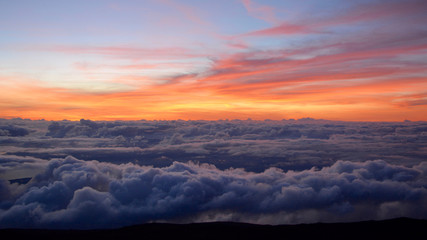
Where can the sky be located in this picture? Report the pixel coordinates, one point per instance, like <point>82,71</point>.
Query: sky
<point>226,59</point>
<point>268,112</point>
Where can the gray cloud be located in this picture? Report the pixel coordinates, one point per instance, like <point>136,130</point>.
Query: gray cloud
<point>252,145</point>
<point>18,167</point>
<point>91,194</point>
<point>288,171</point>
<point>13,131</point>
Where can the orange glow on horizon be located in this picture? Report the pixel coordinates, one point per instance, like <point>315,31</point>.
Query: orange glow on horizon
<point>354,62</point>
<point>366,102</point>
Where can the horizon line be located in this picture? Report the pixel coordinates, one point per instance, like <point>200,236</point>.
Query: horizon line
<point>207,120</point>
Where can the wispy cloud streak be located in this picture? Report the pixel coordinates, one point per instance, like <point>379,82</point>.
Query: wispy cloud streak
<point>344,61</point>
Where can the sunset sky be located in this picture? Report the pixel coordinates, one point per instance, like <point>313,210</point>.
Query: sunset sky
<point>186,111</point>
<point>192,59</point>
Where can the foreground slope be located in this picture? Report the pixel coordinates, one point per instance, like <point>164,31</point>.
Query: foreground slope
<point>397,228</point>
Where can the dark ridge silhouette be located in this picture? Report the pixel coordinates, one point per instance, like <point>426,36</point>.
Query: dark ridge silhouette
<point>399,228</point>
<point>20,180</point>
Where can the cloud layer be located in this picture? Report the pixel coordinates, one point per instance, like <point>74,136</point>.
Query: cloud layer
<point>252,145</point>
<point>291,171</point>
<point>72,193</point>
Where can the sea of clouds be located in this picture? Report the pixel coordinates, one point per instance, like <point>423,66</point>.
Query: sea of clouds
<point>91,174</point>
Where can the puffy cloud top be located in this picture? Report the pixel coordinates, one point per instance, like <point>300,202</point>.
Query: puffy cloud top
<point>288,171</point>
<point>72,193</point>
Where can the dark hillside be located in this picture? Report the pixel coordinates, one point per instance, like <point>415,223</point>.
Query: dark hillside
<point>401,228</point>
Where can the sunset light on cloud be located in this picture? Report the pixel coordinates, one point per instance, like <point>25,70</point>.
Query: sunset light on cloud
<point>238,116</point>
<point>104,60</point>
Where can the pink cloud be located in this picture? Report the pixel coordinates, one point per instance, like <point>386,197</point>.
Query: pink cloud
<point>379,10</point>
<point>346,64</point>
<point>282,29</point>
<point>263,12</point>
<point>359,13</point>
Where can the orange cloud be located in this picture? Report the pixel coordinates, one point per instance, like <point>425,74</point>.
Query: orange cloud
<point>380,78</point>
<point>263,85</point>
